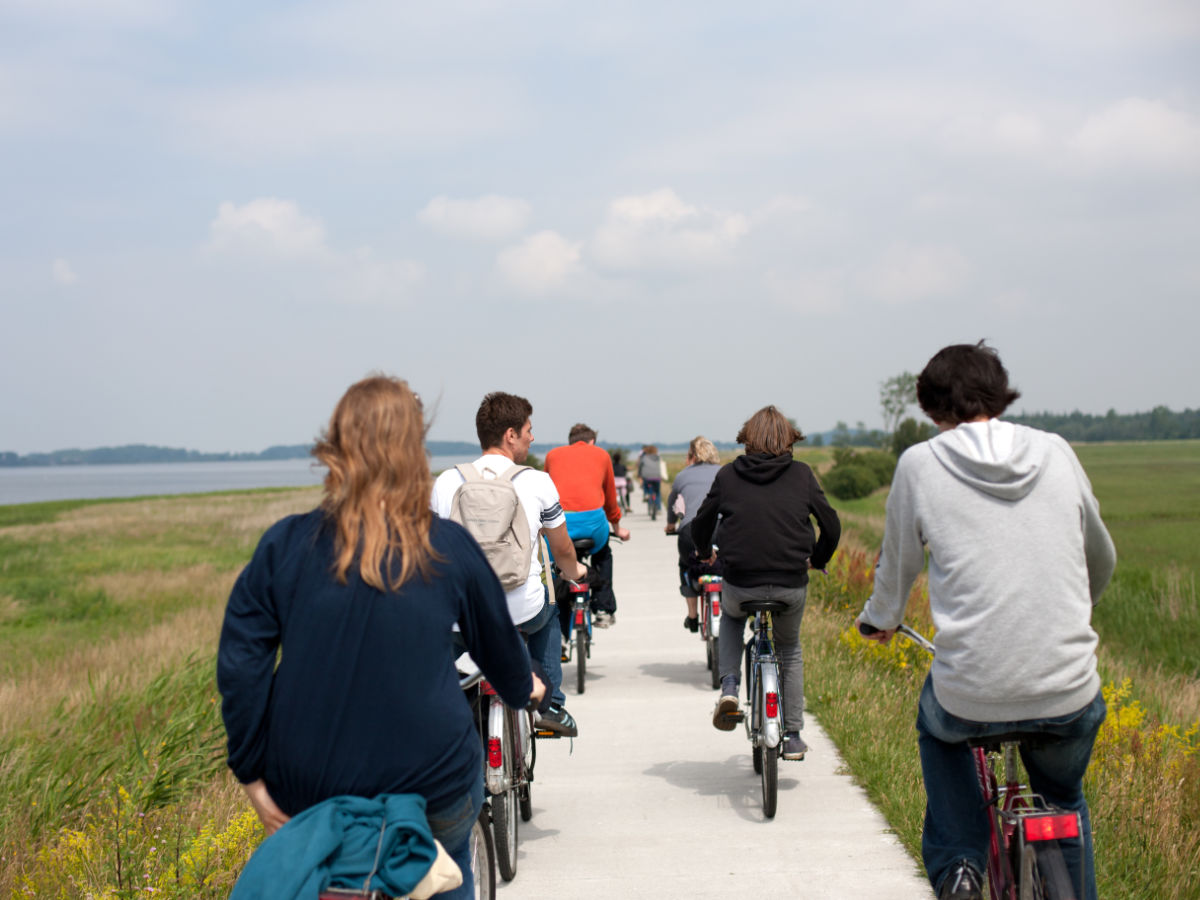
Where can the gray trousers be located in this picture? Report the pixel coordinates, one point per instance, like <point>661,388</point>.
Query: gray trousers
<point>786,629</point>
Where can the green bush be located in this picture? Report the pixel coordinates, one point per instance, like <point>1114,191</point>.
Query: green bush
<point>849,482</point>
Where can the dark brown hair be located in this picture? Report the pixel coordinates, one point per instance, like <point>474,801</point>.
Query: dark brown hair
<point>769,431</point>
<point>581,432</point>
<point>378,486</point>
<point>963,382</point>
<point>497,413</point>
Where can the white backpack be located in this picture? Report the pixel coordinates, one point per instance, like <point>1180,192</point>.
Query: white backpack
<point>491,511</point>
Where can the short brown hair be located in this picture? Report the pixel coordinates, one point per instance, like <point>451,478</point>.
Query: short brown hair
<point>769,431</point>
<point>581,432</point>
<point>497,413</point>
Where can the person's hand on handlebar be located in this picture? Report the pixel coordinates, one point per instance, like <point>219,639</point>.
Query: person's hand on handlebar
<point>871,633</point>
<point>621,533</point>
<point>580,573</point>
<point>670,529</point>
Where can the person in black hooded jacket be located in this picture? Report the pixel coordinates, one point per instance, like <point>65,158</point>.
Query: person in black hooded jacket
<point>766,502</point>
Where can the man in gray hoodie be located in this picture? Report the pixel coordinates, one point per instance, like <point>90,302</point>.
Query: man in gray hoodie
<point>1018,555</point>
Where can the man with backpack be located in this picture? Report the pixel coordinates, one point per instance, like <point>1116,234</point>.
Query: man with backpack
<point>506,507</point>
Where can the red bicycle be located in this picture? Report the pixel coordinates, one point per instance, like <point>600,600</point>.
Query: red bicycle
<point>1025,859</point>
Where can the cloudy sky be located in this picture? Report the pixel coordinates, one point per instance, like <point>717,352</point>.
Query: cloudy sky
<point>652,217</point>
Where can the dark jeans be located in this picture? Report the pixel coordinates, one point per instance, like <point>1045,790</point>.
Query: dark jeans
<point>956,821</point>
<point>686,547</point>
<point>451,824</point>
<point>539,636</point>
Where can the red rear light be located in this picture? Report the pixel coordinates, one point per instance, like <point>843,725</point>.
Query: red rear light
<point>712,588</point>
<point>1051,828</point>
<point>578,588</point>
<point>579,617</point>
<point>495,755</point>
<point>716,608</point>
<point>772,705</point>
<point>486,689</point>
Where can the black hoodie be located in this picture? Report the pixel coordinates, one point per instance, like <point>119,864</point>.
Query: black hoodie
<point>765,503</point>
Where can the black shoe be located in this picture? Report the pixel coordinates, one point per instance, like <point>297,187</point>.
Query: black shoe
<point>692,624</point>
<point>794,746</point>
<point>558,720</point>
<point>963,883</point>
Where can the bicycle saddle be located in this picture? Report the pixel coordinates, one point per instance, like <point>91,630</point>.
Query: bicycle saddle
<point>992,742</point>
<point>583,545</point>
<point>771,606</point>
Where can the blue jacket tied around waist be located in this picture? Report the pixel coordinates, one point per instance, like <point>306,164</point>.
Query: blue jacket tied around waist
<point>335,842</point>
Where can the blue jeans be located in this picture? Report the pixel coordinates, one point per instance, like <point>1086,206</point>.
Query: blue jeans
<point>541,635</point>
<point>451,824</point>
<point>956,821</point>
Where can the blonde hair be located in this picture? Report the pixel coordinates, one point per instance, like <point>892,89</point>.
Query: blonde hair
<point>378,486</point>
<point>703,451</point>
<point>769,431</point>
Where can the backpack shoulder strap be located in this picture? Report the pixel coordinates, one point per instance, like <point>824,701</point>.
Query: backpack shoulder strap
<point>469,472</point>
<point>513,471</point>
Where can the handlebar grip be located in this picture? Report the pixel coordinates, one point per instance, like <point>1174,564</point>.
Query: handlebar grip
<point>866,629</point>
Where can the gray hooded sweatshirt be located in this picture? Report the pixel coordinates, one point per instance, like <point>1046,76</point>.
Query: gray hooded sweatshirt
<point>1018,555</point>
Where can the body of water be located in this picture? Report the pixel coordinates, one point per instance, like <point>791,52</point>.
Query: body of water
<point>35,484</point>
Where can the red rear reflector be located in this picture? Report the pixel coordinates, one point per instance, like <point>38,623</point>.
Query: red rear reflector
<point>495,756</point>
<point>579,617</point>
<point>487,689</point>
<point>716,608</point>
<point>712,588</point>
<point>1051,828</point>
<point>578,588</point>
<point>772,705</point>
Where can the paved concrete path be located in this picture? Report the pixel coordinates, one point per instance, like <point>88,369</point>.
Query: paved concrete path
<point>652,801</point>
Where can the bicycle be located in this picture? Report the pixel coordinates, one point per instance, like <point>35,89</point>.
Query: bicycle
<point>579,634</point>
<point>764,701</point>
<point>709,608</point>
<point>1025,859</point>
<point>652,491</point>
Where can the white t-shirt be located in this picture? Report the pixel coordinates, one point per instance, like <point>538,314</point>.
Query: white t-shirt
<point>539,499</point>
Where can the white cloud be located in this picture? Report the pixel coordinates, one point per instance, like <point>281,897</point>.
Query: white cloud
<point>1140,132</point>
<point>269,233</point>
<point>62,272</point>
<point>489,218</point>
<point>541,263</point>
<point>907,273</point>
<point>1007,133</point>
<point>659,230</point>
<point>268,225</point>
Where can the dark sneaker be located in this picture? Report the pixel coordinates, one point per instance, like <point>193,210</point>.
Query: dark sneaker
<point>794,746</point>
<point>963,883</point>
<point>558,720</point>
<point>602,619</point>
<point>692,625</point>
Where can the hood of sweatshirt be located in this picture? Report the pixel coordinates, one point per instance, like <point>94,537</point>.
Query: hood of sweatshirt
<point>761,468</point>
<point>994,457</point>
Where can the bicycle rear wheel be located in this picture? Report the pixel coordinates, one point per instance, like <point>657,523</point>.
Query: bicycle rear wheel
<point>770,780</point>
<point>581,653</point>
<point>1044,874</point>
<point>505,821</point>
<point>483,858</point>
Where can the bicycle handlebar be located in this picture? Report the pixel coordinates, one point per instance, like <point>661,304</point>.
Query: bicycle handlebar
<point>866,630</point>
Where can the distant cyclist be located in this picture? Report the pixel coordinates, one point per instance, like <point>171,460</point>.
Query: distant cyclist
<point>621,479</point>
<point>1018,555</point>
<point>689,489</point>
<point>583,474</point>
<point>650,471</point>
<point>766,501</point>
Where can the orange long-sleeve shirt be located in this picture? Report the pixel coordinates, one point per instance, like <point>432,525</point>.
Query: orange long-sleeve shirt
<point>583,474</point>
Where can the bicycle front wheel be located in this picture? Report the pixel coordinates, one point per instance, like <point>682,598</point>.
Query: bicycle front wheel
<point>483,858</point>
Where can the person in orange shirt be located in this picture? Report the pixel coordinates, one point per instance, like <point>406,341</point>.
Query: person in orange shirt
<point>583,475</point>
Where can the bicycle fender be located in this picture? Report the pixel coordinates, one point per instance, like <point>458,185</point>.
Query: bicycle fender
<point>496,779</point>
<point>773,725</point>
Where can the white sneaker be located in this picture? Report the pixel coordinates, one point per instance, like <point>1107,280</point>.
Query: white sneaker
<point>603,619</point>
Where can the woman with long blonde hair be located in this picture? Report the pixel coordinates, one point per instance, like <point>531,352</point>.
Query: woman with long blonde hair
<point>336,661</point>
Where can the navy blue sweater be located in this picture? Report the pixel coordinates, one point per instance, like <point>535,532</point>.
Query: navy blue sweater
<point>365,699</point>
